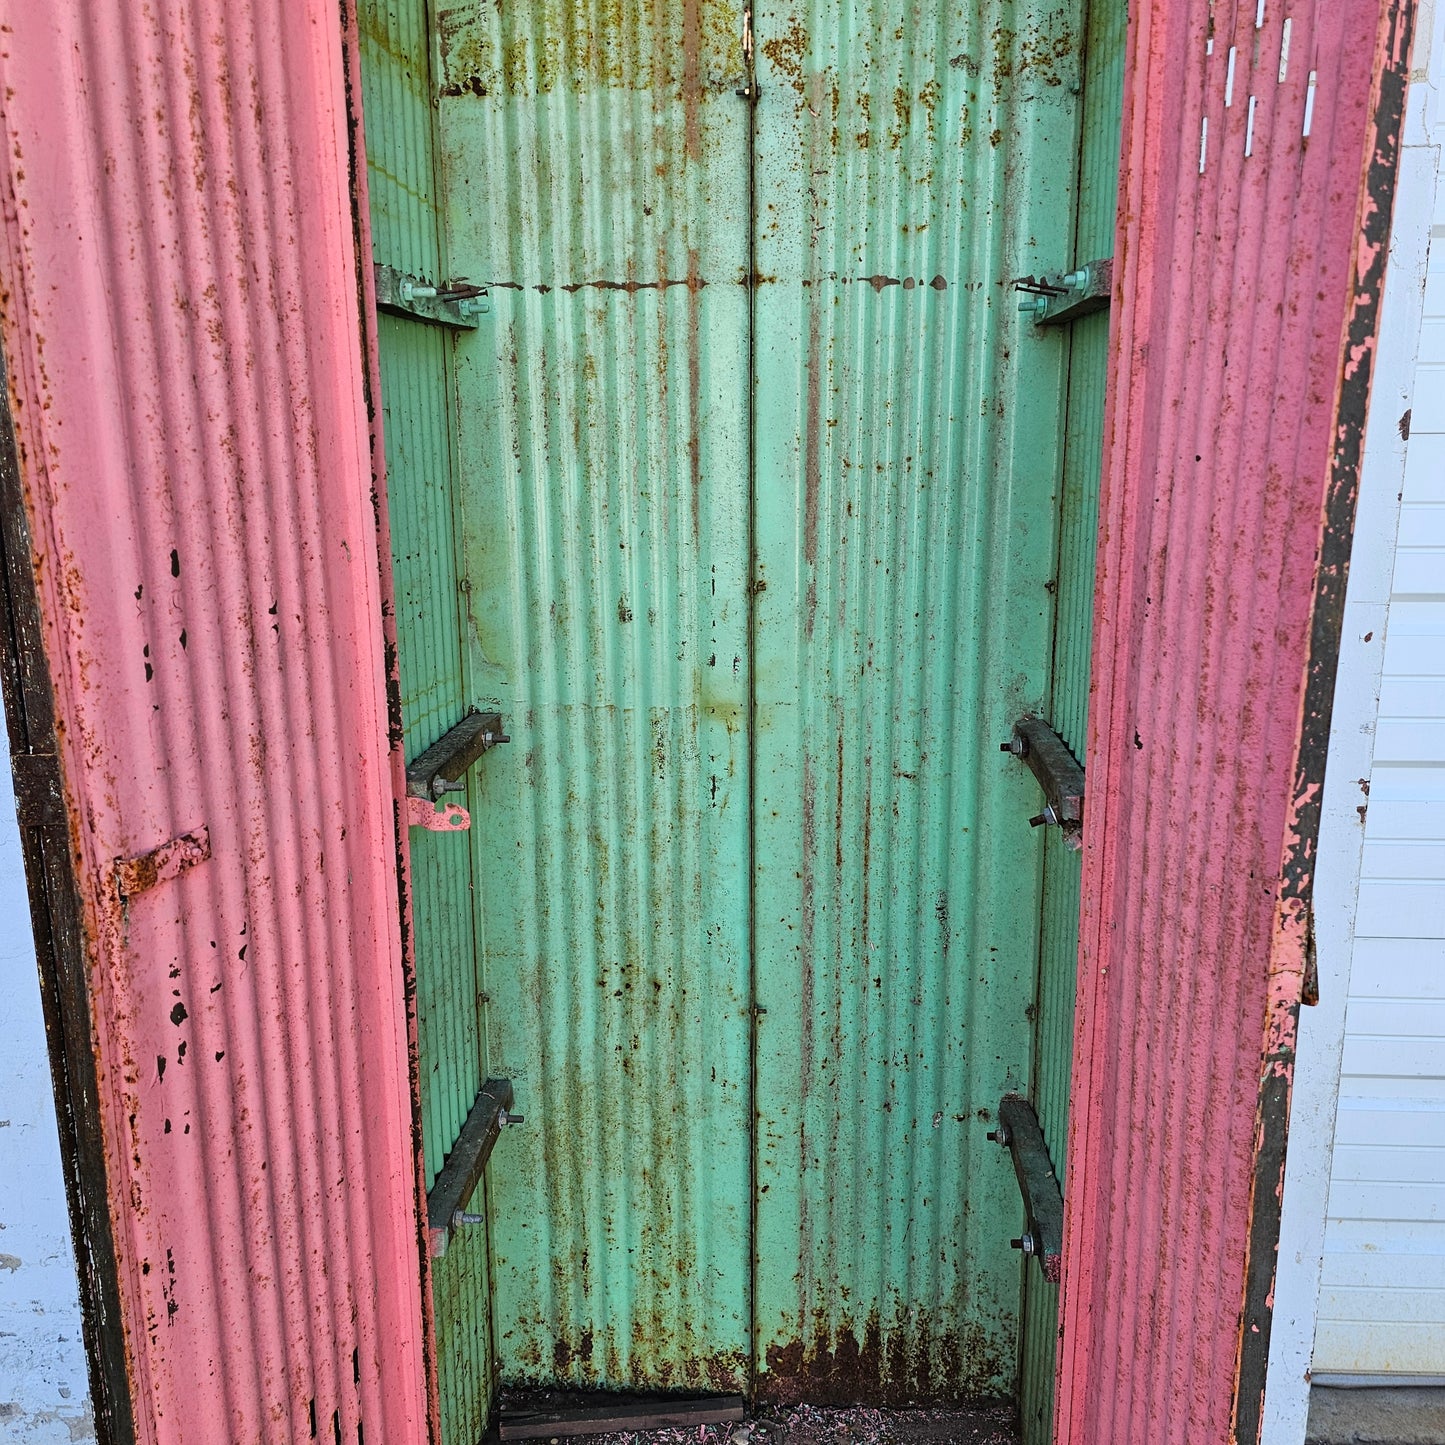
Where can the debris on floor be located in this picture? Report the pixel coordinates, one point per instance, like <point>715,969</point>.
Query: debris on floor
<point>807,1425</point>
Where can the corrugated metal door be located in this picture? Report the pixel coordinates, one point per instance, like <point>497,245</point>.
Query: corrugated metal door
<point>596,172</point>
<point>425,514</point>
<point>911,160</point>
<point>1069,686</point>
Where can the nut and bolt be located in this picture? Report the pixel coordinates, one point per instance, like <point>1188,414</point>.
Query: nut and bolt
<point>999,1135</point>
<point>1018,745</point>
<point>1046,817</point>
<point>462,1217</point>
<point>1035,304</point>
<point>1024,1243</point>
<point>1077,280</point>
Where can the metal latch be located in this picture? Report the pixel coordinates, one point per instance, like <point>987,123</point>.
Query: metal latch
<point>1059,774</point>
<point>1043,1237</point>
<point>446,1203</point>
<point>449,303</point>
<point>1080,293</point>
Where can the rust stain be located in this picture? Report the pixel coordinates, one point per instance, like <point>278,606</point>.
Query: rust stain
<point>691,85</point>
<point>787,52</point>
<point>694,392</point>
<point>160,865</point>
<point>905,1363</point>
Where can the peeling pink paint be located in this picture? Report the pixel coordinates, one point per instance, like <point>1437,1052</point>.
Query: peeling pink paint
<point>181,309</point>
<point>1242,338</point>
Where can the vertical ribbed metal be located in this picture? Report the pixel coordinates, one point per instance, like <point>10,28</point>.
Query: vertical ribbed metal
<point>596,178</point>
<point>1069,688</point>
<point>1252,258</point>
<point>908,446</point>
<point>181,286</point>
<point>425,516</point>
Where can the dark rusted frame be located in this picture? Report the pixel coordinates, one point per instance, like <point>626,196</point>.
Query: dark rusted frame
<point>57,918</point>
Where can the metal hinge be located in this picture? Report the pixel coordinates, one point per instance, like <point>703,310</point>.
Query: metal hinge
<point>447,1200</point>
<point>1080,293</point>
<point>449,303</point>
<point>1043,1237</point>
<point>39,798</point>
<point>1059,773</point>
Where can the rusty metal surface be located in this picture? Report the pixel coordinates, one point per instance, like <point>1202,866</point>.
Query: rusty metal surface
<point>1249,267</point>
<point>180,309</point>
<point>911,161</point>
<point>595,171</point>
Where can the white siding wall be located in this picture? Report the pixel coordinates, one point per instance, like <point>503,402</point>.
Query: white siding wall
<point>1382,1288</point>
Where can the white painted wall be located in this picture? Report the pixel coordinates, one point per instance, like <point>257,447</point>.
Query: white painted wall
<point>1366,774</point>
<point>44,1394</point>
<point>1382,1285</point>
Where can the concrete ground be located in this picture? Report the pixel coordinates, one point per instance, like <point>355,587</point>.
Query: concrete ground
<point>1395,1415</point>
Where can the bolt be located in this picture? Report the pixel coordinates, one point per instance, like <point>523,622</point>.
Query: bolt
<point>504,1118</point>
<point>1036,304</point>
<point>1025,1243</point>
<point>474,306</point>
<point>999,1135</point>
<point>416,291</point>
<point>1017,745</point>
<point>461,1217</point>
<point>1047,816</point>
<point>1077,280</point>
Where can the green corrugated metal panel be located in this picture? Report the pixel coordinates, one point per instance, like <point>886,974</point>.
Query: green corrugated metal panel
<point>1069,706</point>
<point>911,161</point>
<point>400,152</point>
<point>425,520</point>
<point>596,173</point>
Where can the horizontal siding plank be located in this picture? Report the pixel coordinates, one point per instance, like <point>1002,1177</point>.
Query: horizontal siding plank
<point>1418,568</point>
<point>1390,1164</point>
<point>1410,740</point>
<point>1412,858</point>
<point>1399,1017</point>
<point>1402,697</point>
<point>1405,1121</point>
<point>1383,1270</point>
<point>1401,1306</point>
<point>1401,909</point>
<point>1366,1056</point>
<point>1386,1200</point>
<point>1398,968</point>
<point>1406,1349</point>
